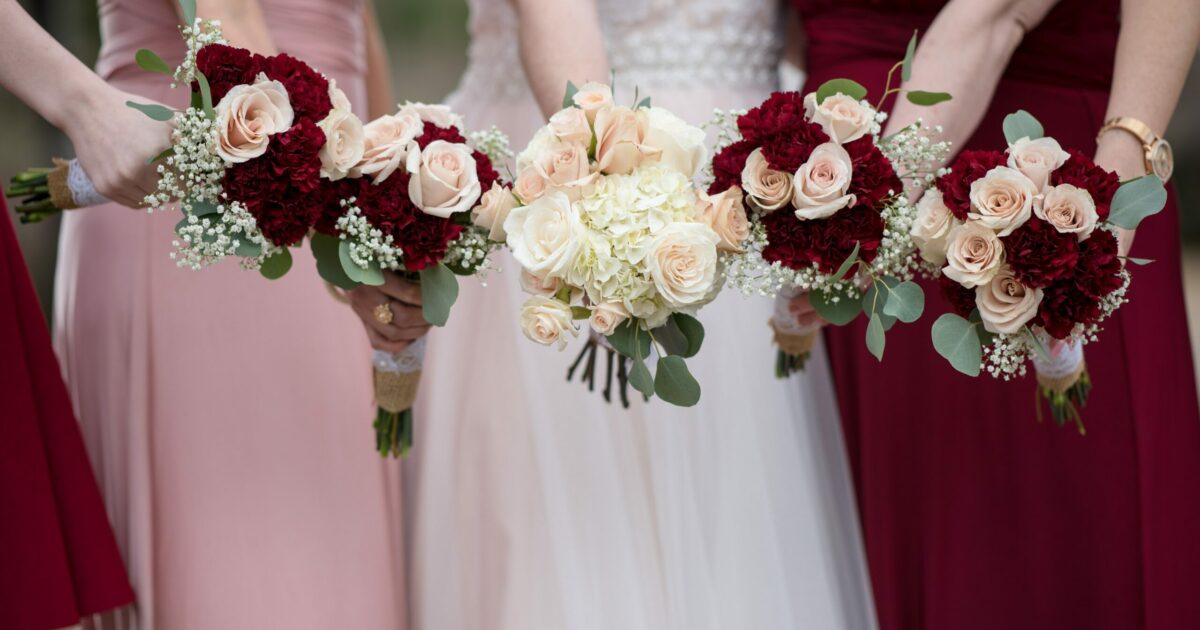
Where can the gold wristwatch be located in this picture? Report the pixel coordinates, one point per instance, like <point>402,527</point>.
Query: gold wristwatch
<point>1160,160</point>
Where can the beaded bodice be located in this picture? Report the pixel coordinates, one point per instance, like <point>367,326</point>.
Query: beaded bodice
<point>652,44</point>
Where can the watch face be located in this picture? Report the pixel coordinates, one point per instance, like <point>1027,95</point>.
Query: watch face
<point>1162,160</point>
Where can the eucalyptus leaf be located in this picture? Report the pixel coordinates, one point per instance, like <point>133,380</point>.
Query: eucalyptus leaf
<point>1038,346</point>
<point>640,378</point>
<point>149,61</point>
<point>692,329</point>
<point>1137,199</point>
<point>839,312</point>
<point>848,263</point>
<point>906,302</point>
<point>625,336</point>
<point>671,338</point>
<point>277,265</point>
<point>203,208</point>
<point>956,340</point>
<point>372,275</point>
<point>247,249</point>
<point>643,103</point>
<point>926,99</point>
<point>906,65</point>
<point>1138,261</point>
<point>155,112</point>
<point>873,302</point>
<point>439,291</point>
<point>329,263</point>
<point>876,339</point>
<point>1022,124</point>
<point>188,9</point>
<point>569,96</point>
<point>580,312</point>
<point>674,383</point>
<point>206,102</point>
<point>853,89</point>
<point>161,156</point>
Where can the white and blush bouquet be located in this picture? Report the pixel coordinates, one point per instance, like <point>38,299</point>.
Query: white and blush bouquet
<point>609,227</point>
<point>1025,247</point>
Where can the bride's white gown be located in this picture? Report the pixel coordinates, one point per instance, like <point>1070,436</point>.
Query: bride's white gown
<point>537,506</point>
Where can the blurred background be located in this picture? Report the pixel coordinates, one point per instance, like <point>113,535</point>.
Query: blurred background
<point>430,37</point>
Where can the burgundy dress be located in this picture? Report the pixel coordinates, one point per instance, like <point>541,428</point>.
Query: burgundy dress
<point>58,559</point>
<point>975,515</point>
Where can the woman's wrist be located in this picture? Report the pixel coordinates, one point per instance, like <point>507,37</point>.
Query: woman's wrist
<point>1121,153</point>
<point>79,100</point>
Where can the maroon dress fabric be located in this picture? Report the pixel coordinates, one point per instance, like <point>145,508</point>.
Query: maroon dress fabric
<point>58,558</point>
<point>974,514</point>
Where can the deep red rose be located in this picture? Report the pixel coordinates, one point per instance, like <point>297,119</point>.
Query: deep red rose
<point>307,90</point>
<point>1076,300</point>
<point>828,242</point>
<point>781,113</point>
<point>422,237</point>
<point>1080,171</point>
<point>966,168</point>
<point>961,299</point>
<point>873,177</point>
<point>1039,254</point>
<point>728,164</point>
<point>226,67</point>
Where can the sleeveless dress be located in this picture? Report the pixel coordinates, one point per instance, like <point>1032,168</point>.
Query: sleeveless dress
<point>975,515</point>
<point>538,506</point>
<point>58,558</point>
<point>228,417</point>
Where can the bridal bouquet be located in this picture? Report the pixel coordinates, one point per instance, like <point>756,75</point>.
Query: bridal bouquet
<point>252,159</point>
<point>1024,245</point>
<point>609,227</point>
<point>828,213</point>
<point>418,199</point>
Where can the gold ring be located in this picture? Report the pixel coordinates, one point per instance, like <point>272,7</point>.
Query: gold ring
<point>383,313</point>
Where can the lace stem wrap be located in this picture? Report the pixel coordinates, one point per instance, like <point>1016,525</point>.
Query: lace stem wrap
<point>1059,372</point>
<point>71,188</point>
<point>397,377</point>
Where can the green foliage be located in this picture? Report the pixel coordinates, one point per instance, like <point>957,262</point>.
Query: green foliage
<point>155,112</point>
<point>906,65</point>
<point>839,312</point>
<point>188,9</point>
<point>1137,199</point>
<point>923,98</point>
<point>372,275</point>
<point>906,302</point>
<point>674,383</point>
<point>629,336</point>
<point>853,89</point>
<point>1022,124</point>
<point>848,263</point>
<point>439,291</point>
<point>277,265</point>
<point>569,95</point>
<point>206,97</point>
<point>329,262</point>
<point>149,61</point>
<point>875,336</point>
<point>957,341</point>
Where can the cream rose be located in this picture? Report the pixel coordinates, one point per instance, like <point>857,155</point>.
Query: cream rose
<point>726,215</point>
<point>1036,159</point>
<point>681,145</point>
<point>536,286</point>
<point>621,140</point>
<point>248,116</point>
<point>344,144</point>
<point>1005,305</point>
<point>974,255</point>
<point>932,225</point>
<point>493,209</point>
<point>820,185</point>
<point>530,185</point>
<point>843,118</point>
<point>1069,209</point>
<point>571,125</point>
<point>543,236</point>
<point>592,98</point>
<point>547,321</point>
<point>683,262</point>
<point>387,141</point>
<point>768,189</point>
<point>443,179</point>
<point>1002,200</point>
<point>607,316</point>
<point>565,167</point>
<point>439,115</point>
<point>338,98</point>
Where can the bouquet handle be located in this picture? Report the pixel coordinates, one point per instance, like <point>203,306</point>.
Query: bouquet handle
<point>794,340</point>
<point>397,378</point>
<point>1063,381</point>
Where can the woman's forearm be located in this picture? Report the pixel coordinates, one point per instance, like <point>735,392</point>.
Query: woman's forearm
<point>965,53</point>
<point>380,99</point>
<point>560,41</point>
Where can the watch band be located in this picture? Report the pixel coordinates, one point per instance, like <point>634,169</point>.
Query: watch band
<point>1159,158</point>
<point>1134,126</point>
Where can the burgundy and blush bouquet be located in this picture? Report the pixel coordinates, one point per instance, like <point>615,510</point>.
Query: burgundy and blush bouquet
<point>1025,247</point>
<point>829,217</point>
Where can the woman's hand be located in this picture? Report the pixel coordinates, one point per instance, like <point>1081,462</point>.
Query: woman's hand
<point>802,309</point>
<point>403,298</point>
<point>113,143</point>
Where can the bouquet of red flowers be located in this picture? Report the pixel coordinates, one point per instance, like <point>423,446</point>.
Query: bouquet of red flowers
<point>420,200</point>
<point>829,216</point>
<point>1025,246</point>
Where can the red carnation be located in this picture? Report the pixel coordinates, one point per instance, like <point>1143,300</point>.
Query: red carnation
<point>961,299</point>
<point>873,177</point>
<point>285,220</point>
<point>432,133</point>
<point>1080,171</point>
<point>781,113</point>
<point>329,198</point>
<point>423,238</point>
<point>225,67</point>
<point>968,167</point>
<point>307,90</point>
<point>1076,300</point>
<point>1039,254</point>
<point>828,242</point>
<point>728,164</point>
<point>788,150</point>
<point>1099,270</point>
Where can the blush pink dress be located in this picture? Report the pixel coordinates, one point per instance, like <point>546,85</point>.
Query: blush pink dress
<point>228,417</point>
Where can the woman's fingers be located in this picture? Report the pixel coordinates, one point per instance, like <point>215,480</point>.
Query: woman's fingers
<point>378,342</point>
<point>401,289</point>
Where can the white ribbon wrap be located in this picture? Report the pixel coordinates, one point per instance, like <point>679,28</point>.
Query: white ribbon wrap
<point>405,362</point>
<point>1066,362</point>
